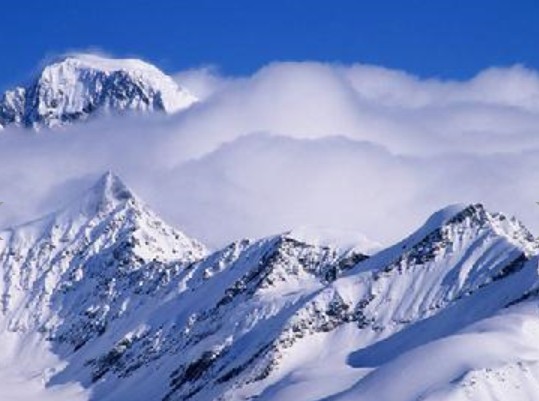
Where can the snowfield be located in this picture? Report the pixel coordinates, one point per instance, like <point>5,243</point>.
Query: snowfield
<point>102,300</point>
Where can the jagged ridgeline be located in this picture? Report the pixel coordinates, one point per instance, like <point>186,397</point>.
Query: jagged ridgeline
<point>132,309</point>
<point>78,86</point>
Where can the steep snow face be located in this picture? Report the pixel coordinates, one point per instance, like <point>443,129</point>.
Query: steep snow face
<point>449,258</point>
<point>81,85</point>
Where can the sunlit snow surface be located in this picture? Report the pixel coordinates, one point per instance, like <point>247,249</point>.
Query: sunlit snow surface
<point>104,301</point>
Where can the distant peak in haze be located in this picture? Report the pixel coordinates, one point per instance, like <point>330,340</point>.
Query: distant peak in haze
<point>107,193</point>
<point>77,86</point>
<point>326,236</point>
<point>112,187</point>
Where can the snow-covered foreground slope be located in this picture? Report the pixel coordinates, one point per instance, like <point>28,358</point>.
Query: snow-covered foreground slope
<point>104,301</point>
<point>79,86</point>
<point>494,359</point>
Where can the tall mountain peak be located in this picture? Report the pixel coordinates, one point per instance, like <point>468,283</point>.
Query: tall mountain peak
<point>109,209</point>
<point>77,86</point>
<point>106,194</point>
<point>111,187</point>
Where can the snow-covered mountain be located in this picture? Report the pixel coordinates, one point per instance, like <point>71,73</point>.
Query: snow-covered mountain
<point>104,301</point>
<point>78,86</point>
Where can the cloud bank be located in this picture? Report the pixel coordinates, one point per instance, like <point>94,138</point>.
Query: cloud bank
<point>359,148</point>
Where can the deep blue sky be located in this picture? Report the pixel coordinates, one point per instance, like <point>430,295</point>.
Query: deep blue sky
<point>451,39</point>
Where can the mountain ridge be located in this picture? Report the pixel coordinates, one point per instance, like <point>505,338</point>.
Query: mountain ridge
<point>131,308</point>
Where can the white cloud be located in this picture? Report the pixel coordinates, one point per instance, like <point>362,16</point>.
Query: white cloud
<point>354,147</point>
<point>204,82</point>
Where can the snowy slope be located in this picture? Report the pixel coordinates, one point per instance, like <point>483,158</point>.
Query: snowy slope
<point>494,359</point>
<point>116,305</point>
<point>463,265</point>
<point>79,86</point>
<point>216,326</point>
<point>275,318</point>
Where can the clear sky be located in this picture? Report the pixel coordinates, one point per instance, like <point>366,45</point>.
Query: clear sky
<point>442,38</point>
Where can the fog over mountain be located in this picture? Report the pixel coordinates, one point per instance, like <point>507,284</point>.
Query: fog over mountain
<point>391,145</point>
<point>214,238</point>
